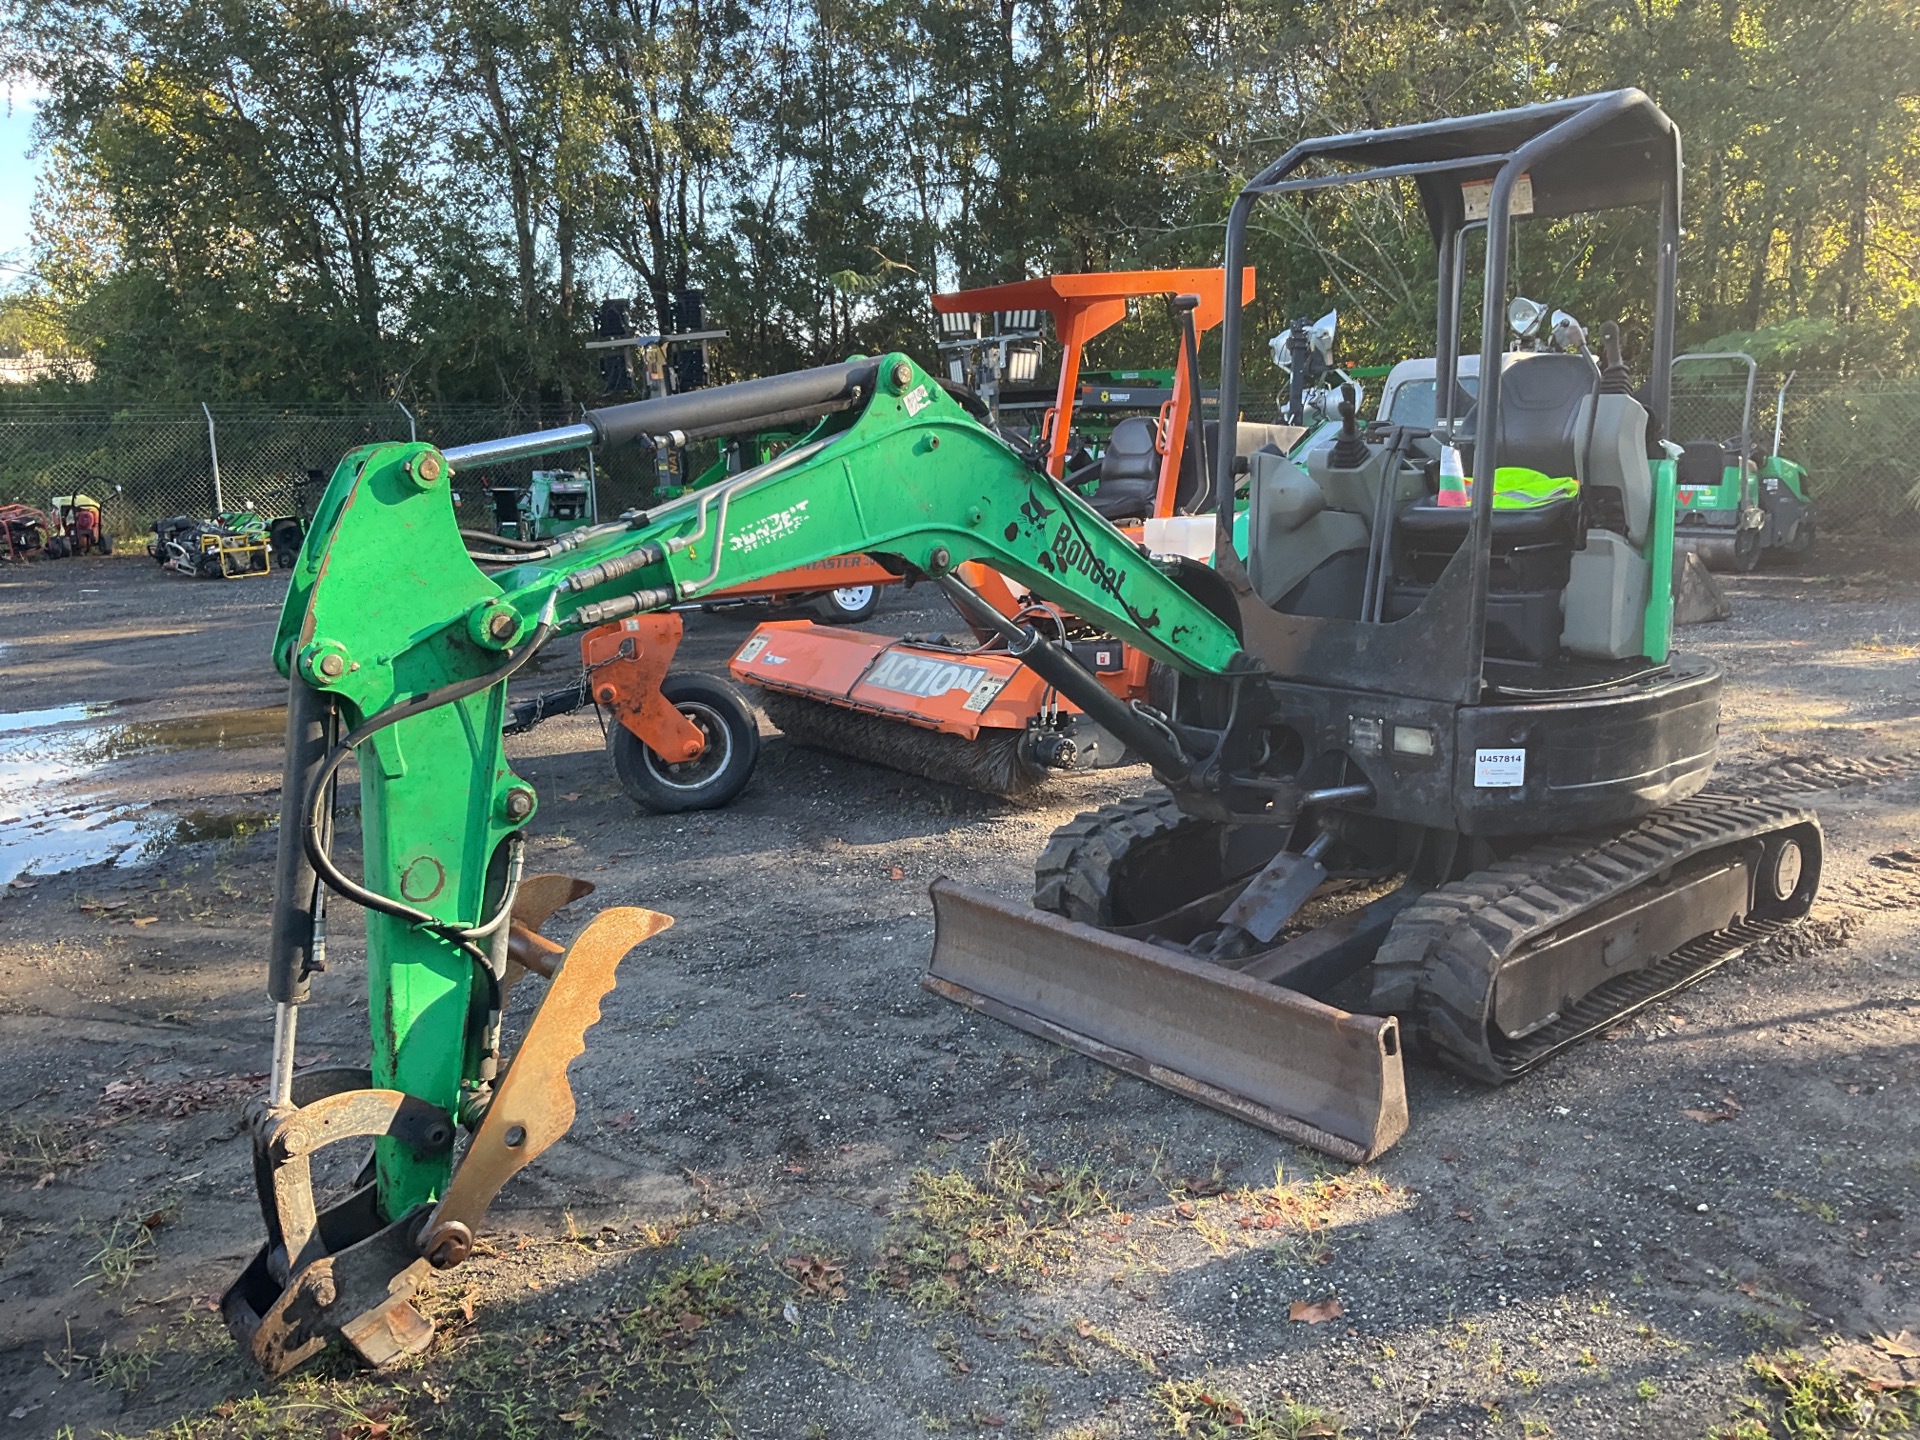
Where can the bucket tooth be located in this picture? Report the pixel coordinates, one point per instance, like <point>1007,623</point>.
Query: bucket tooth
<point>1273,1057</point>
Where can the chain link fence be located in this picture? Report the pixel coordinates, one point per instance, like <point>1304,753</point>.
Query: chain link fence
<point>1858,439</point>
<point>148,463</point>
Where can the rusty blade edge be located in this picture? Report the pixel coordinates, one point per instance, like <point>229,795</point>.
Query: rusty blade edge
<point>1238,1106</point>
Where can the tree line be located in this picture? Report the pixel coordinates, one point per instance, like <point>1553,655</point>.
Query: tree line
<point>298,201</point>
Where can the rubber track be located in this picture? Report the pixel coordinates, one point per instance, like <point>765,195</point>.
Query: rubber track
<point>1438,966</point>
<point>1074,875</point>
<point>992,764</point>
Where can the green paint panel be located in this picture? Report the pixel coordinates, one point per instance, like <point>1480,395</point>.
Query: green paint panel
<point>384,582</point>
<point>912,475</point>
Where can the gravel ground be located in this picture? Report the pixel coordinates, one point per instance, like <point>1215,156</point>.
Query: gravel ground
<point>803,1197</point>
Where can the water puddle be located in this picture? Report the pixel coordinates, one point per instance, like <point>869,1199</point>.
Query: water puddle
<point>54,818</point>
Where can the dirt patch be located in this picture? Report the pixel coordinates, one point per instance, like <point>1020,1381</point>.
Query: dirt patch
<point>805,1198</point>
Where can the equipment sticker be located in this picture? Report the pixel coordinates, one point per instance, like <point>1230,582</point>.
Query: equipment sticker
<point>752,648</point>
<point>922,677</point>
<point>916,400</point>
<point>1476,198</point>
<point>983,693</point>
<point>1499,769</point>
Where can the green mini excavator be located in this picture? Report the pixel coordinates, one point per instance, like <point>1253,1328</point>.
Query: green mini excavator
<point>1429,767</point>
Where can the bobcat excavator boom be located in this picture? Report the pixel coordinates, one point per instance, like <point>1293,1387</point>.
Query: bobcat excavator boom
<point>397,649</point>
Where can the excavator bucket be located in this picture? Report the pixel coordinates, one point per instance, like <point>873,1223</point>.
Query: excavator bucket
<point>1270,1056</point>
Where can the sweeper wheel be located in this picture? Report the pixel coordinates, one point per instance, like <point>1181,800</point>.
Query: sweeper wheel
<point>711,778</point>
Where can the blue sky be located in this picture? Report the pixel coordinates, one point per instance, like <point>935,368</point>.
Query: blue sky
<point>17,175</point>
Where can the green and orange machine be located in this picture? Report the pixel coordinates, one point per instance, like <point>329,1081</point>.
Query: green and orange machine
<point>1482,719</point>
<point>961,708</point>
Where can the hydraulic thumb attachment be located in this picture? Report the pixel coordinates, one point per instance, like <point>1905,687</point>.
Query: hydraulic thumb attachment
<point>345,1272</point>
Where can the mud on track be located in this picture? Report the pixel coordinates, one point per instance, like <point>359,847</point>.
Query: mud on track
<point>805,1198</point>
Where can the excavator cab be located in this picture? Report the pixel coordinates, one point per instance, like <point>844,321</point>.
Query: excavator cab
<point>1457,639</point>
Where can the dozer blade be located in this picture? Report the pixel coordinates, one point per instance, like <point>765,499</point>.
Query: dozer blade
<point>1270,1056</point>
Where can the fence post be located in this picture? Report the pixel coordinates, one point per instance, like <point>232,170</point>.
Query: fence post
<point>593,483</point>
<point>213,452</point>
<point>413,431</point>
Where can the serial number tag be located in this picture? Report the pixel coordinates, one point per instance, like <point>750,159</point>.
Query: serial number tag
<point>1499,769</point>
<point>752,648</point>
<point>984,690</point>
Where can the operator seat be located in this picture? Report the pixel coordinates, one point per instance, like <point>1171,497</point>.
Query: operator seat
<point>1543,425</point>
<point>1129,470</point>
<point>1702,462</point>
<point>1543,412</point>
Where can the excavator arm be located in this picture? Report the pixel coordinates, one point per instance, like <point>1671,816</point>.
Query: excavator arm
<point>398,646</point>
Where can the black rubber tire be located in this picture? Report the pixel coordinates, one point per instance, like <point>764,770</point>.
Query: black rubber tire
<point>106,543</point>
<point>1746,561</point>
<point>1800,551</point>
<point>711,779</point>
<point>834,606</point>
<point>1127,862</point>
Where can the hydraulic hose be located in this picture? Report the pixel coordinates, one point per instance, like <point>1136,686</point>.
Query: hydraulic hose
<point>316,841</point>
<point>1060,670</point>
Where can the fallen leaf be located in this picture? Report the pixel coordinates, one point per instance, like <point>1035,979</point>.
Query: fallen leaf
<point>21,883</point>
<point>1465,1215</point>
<point>1904,1346</point>
<point>1203,1185</point>
<point>570,795</point>
<point>952,1135</point>
<point>44,1181</point>
<point>1223,1410</point>
<point>1316,1312</point>
<point>146,919</point>
<point>896,873</point>
<point>1707,1117</point>
<point>1183,1210</point>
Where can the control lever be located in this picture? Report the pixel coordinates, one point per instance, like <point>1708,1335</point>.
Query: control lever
<point>1350,450</point>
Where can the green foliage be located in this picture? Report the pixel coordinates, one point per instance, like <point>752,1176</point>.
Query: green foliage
<point>1821,1400</point>
<point>1197,1410</point>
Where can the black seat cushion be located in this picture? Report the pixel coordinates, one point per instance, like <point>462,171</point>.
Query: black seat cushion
<point>1129,471</point>
<point>1540,397</point>
<point>1532,546</point>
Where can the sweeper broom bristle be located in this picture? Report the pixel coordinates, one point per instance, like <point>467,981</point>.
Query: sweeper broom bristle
<point>994,763</point>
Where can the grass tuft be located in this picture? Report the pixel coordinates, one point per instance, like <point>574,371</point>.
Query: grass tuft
<point>1015,1222</point>
<point>1818,1399</point>
<point>1196,1410</point>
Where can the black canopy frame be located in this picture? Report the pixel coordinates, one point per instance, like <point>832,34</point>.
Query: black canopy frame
<point>1612,150</point>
